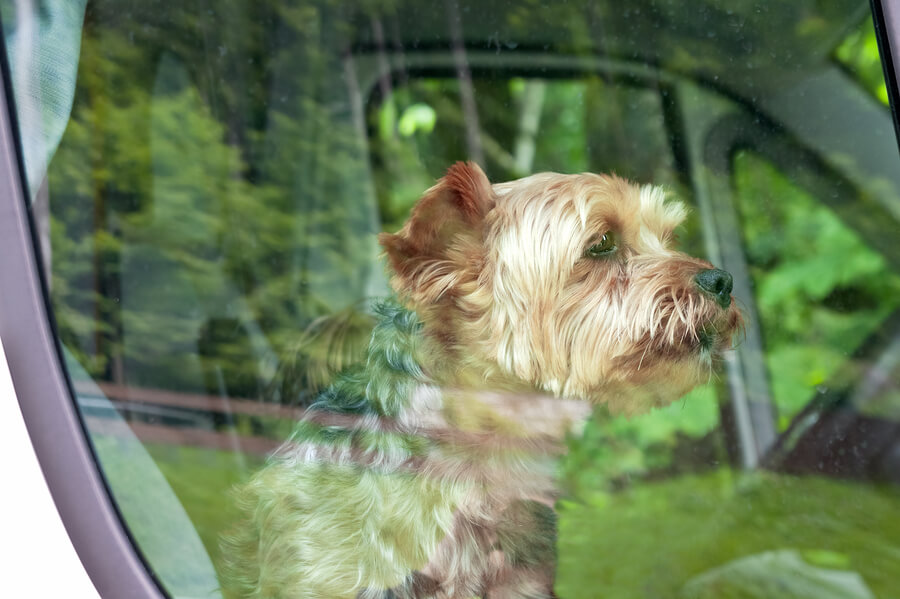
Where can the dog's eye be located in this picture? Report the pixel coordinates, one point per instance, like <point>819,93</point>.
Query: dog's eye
<point>604,247</point>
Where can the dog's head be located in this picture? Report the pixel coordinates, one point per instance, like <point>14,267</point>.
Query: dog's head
<point>565,282</point>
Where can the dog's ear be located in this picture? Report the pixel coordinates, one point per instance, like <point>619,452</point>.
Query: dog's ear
<point>428,255</point>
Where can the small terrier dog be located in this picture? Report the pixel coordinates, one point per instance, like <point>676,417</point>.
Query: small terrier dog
<point>428,471</point>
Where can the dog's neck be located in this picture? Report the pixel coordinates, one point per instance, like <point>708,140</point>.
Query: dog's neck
<point>416,379</point>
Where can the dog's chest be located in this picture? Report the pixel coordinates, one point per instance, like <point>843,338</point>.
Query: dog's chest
<point>398,466</point>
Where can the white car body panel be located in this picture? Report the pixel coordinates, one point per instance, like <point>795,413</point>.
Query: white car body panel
<point>38,557</point>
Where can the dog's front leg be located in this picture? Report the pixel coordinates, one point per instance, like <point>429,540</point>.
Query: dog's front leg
<point>463,562</point>
<point>526,542</point>
<point>510,555</point>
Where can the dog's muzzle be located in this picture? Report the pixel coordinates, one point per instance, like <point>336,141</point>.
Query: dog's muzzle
<point>717,283</point>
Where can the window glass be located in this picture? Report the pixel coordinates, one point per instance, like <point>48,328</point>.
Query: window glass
<point>822,291</point>
<point>208,182</point>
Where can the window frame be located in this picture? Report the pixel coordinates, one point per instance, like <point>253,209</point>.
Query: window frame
<point>44,392</point>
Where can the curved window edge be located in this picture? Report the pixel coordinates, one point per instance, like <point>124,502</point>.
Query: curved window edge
<point>886,16</point>
<point>58,437</point>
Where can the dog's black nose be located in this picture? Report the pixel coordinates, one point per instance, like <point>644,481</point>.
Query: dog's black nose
<point>717,283</point>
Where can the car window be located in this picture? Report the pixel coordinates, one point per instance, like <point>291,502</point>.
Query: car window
<point>208,182</point>
<point>822,290</point>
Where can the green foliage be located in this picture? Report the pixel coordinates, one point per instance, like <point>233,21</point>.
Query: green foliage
<point>197,230</point>
<point>859,53</point>
<point>418,117</point>
<point>613,450</point>
<point>563,143</point>
<point>820,289</point>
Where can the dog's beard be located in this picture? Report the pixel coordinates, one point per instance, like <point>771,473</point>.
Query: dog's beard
<point>672,356</point>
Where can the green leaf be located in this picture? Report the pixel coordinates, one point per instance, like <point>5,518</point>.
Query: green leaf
<point>418,117</point>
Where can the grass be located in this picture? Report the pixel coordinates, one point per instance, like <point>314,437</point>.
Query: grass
<point>650,540</point>
<point>646,541</point>
<point>202,479</point>
<point>180,545</point>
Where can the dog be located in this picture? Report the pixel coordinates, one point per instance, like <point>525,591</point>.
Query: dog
<point>428,471</point>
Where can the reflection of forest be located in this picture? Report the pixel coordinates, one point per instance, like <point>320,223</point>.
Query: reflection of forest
<point>219,185</point>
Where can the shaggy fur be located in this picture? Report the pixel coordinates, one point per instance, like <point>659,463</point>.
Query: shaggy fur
<point>428,471</point>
